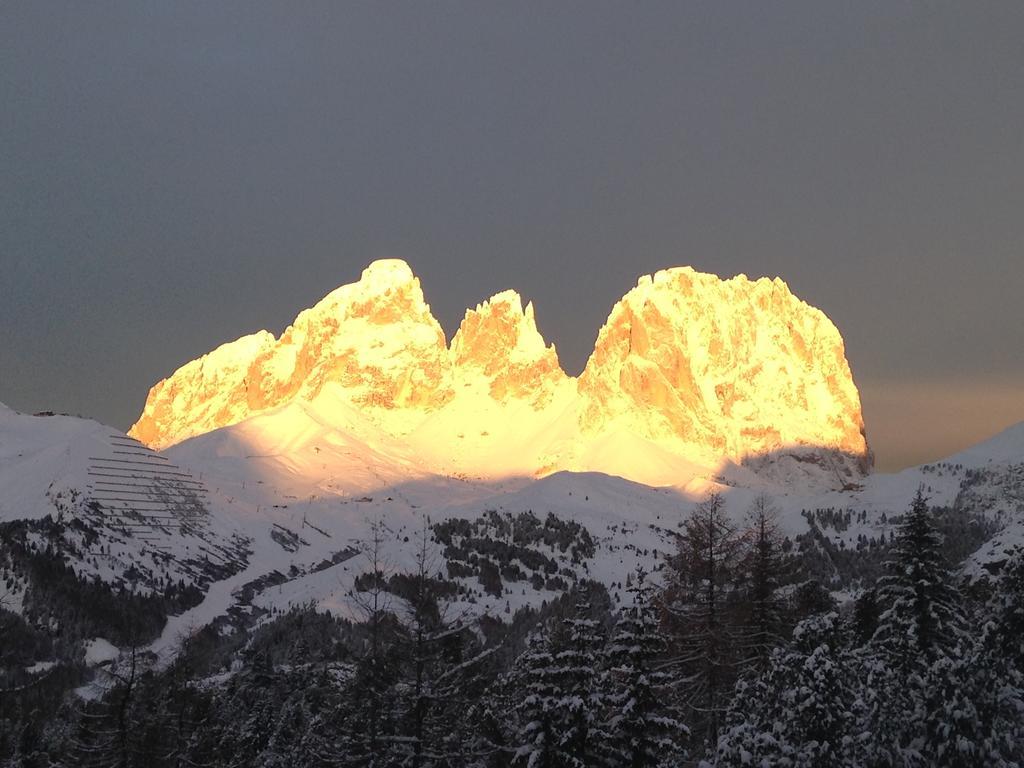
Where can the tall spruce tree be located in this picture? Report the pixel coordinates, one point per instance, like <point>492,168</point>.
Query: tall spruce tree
<point>579,700</point>
<point>484,733</point>
<point>1007,610</point>
<point>641,728</point>
<point>562,701</point>
<point>539,688</point>
<point>973,704</point>
<point>975,696</point>
<point>920,629</point>
<point>921,608</point>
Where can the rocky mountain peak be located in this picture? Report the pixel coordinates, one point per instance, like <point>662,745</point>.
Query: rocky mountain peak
<point>732,367</point>
<point>500,340</point>
<point>376,338</point>
<point>696,367</point>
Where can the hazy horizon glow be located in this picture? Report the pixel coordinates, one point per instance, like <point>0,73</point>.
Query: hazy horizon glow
<point>174,177</point>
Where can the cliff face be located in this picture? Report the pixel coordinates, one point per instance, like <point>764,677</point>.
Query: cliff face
<point>731,367</point>
<point>376,338</point>
<point>499,341</point>
<point>202,395</point>
<point>704,368</point>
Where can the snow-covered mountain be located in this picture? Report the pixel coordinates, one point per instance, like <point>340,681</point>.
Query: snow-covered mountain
<point>279,458</point>
<point>691,376</point>
<point>108,506</point>
<point>273,512</point>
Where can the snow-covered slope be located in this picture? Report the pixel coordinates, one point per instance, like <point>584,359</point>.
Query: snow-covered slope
<point>42,457</point>
<point>110,506</point>
<point>1007,447</point>
<point>315,530</point>
<point>296,485</point>
<point>690,375</point>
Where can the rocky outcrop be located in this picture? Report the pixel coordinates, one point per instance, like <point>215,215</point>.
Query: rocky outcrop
<point>202,395</point>
<point>376,338</point>
<point>499,341</point>
<point>702,368</point>
<point>732,368</point>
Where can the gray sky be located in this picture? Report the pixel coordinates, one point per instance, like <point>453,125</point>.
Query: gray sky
<point>174,175</point>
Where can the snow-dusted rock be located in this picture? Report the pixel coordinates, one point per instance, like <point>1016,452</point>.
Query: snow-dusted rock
<point>201,395</point>
<point>731,368</point>
<point>500,341</point>
<point>688,371</point>
<point>376,338</point>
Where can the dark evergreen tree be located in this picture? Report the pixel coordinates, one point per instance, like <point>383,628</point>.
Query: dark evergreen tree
<point>803,710</point>
<point>702,620</point>
<point>894,712</point>
<point>809,599</point>
<point>764,565</point>
<point>539,689</point>
<point>866,612</point>
<point>973,704</point>
<point>1007,611</point>
<point>921,608</point>
<point>484,734</point>
<point>562,699</point>
<point>641,727</point>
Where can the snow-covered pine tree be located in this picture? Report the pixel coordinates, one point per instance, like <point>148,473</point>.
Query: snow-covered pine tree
<point>1007,610</point>
<point>291,739</point>
<point>484,733</point>
<point>562,699</point>
<point>702,622</point>
<point>641,728</point>
<point>802,710</point>
<point>893,709</point>
<point>578,703</point>
<point>974,697</point>
<point>921,607</point>
<point>920,629</point>
<point>973,708</point>
<point>539,688</point>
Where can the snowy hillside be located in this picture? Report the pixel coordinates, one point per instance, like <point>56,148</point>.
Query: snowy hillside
<point>109,506</point>
<point>281,531</point>
<point>308,513</point>
<point>305,496</point>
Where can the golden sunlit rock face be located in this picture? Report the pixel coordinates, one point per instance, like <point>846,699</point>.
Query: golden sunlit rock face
<point>702,368</point>
<point>737,367</point>
<point>499,340</point>
<point>375,338</point>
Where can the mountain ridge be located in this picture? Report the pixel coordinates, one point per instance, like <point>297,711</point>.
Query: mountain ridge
<point>704,369</point>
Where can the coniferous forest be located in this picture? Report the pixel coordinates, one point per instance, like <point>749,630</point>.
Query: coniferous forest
<point>731,654</point>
